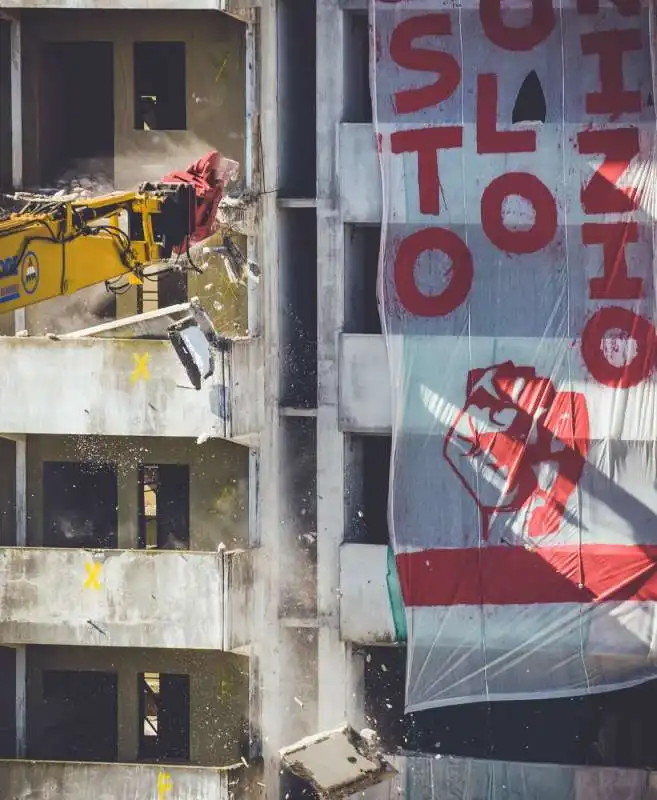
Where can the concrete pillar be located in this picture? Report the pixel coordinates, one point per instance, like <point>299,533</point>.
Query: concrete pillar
<point>16,105</point>
<point>128,511</point>
<point>128,721</point>
<point>21,491</point>
<point>250,145</point>
<point>266,623</point>
<point>21,701</point>
<point>20,320</point>
<point>333,656</point>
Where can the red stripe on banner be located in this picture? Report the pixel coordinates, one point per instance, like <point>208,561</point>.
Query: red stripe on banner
<point>521,576</point>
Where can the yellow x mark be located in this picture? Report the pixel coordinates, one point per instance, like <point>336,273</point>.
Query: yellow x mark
<point>93,572</point>
<point>164,784</point>
<point>141,367</point>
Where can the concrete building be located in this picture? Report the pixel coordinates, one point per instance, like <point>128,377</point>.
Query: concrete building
<point>172,613</point>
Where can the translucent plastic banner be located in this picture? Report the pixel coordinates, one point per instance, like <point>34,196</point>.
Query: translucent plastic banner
<point>429,778</point>
<point>517,300</point>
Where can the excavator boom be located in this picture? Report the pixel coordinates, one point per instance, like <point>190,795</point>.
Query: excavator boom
<point>54,246</point>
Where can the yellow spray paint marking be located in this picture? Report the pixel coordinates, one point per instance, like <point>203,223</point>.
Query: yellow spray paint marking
<point>141,367</point>
<point>93,573</point>
<point>164,784</point>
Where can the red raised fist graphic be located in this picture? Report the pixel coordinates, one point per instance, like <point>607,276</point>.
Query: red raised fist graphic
<point>519,443</point>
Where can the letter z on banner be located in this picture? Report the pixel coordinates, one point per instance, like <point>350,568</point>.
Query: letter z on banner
<point>517,300</point>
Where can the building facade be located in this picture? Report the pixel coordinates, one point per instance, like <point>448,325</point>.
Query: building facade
<point>186,590</point>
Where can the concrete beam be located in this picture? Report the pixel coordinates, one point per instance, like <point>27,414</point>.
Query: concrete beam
<point>360,175</point>
<point>365,398</point>
<point>125,598</point>
<point>80,781</point>
<point>365,609</point>
<point>125,388</point>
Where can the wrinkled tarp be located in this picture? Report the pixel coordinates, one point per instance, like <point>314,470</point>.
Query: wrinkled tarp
<point>517,300</point>
<point>431,778</point>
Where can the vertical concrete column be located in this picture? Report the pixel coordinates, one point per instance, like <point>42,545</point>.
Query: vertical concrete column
<point>128,715</point>
<point>267,631</point>
<point>333,672</point>
<point>21,491</point>
<point>21,701</point>
<point>20,319</point>
<point>128,511</point>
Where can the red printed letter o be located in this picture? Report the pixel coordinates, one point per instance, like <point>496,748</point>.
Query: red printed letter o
<point>460,275</point>
<point>533,190</point>
<point>638,328</point>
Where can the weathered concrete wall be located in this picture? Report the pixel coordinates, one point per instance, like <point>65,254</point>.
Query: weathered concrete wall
<point>74,781</point>
<point>359,176</point>
<point>218,695</point>
<point>101,386</point>
<point>365,400</point>
<point>365,612</point>
<point>218,483</point>
<point>118,598</point>
<point>215,85</point>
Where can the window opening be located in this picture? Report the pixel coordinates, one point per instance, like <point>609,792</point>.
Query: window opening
<point>164,717</point>
<point>164,507</point>
<point>160,86</point>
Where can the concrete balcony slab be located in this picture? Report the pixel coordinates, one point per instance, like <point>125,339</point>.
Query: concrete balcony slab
<point>125,598</point>
<point>365,398</point>
<point>125,387</point>
<point>360,177</point>
<point>366,615</point>
<point>80,781</point>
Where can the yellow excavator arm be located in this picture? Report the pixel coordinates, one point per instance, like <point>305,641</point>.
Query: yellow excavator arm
<point>56,246</point>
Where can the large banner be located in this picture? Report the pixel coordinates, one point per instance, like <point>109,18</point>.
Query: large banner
<point>517,299</point>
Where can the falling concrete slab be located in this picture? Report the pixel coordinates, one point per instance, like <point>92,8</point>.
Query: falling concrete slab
<point>338,763</point>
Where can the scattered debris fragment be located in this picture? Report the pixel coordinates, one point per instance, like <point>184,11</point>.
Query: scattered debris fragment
<point>203,438</point>
<point>338,763</point>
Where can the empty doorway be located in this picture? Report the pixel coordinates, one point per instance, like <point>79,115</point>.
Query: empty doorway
<point>76,109</point>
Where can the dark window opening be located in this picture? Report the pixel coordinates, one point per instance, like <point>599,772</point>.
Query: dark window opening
<point>611,729</point>
<point>8,656</point>
<point>361,308</point>
<point>76,111</point>
<point>369,477</point>
<point>298,307</point>
<point>357,96</point>
<point>164,717</point>
<point>299,455</point>
<point>79,504</point>
<point>160,86</point>
<point>79,714</point>
<point>164,507</point>
<point>297,56</point>
<point>530,105</point>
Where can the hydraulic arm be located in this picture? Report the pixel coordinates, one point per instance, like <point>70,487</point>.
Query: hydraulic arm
<point>55,246</point>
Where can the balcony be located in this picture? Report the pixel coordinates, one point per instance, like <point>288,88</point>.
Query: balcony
<point>360,176</point>
<point>125,598</point>
<point>125,387</point>
<point>80,781</point>
<point>366,613</point>
<point>365,399</point>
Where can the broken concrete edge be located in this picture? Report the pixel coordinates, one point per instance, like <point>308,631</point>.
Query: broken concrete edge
<point>382,769</point>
